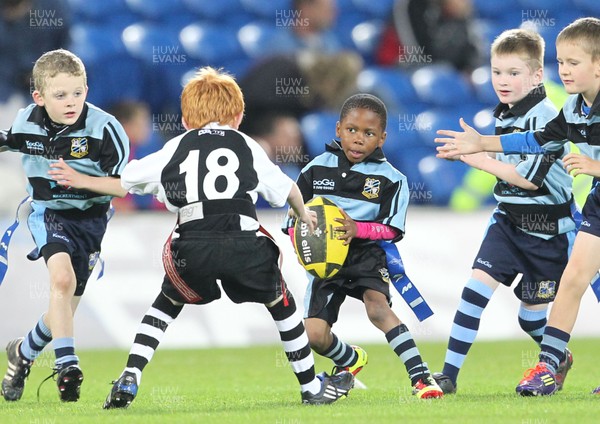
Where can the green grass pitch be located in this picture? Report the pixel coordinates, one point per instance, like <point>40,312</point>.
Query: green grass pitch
<point>256,385</point>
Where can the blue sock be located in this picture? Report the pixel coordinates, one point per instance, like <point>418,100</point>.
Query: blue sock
<point>65,352</point>
<point>474,299</point>
<point>553,347</point>
<point>403,344</point>
<point>340,353</point>
<point>36,340</point>
<point>533,322</point>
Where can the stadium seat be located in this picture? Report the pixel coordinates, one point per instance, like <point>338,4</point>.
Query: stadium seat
<point>257,39</point>
<point>588,7</point>
<point>267,9</point>
<point>406,160</point>
<point>212,9</point>
<point>210,43</point>
<point>318,129</point>
<point>96,10</point>
<point>365,37</point>
<point>484,121</point>
<point>381,9</point>
<point>547,9</point>
<point>441,85</point>
<point>343,27</point>
<point>393,86</point>
<point>94,43</point>
<point>481,79</point>
<point>428,122</point>
<point>154,44</point>
<point>494,9</point>
<point>156,10</point>
<point>441,177</point>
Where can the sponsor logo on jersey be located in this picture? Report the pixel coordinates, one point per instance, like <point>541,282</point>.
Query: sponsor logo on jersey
<point>484,263</point>
<point>546,290</point>
<point>35,146</point>
<point>371,188</point>
<point>585,224</point>
<point>79,147</point>
<point>212,132</point>
<point>324,184</point>
<point>60,236</point>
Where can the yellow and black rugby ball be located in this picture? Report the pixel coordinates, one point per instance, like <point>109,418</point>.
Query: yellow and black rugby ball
<point>321,253</point>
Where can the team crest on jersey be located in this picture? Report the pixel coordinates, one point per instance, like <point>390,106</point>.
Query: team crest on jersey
<point>371,188</point>
<point>92,259</point>
<point>79,147</point>
<point>547,290</point>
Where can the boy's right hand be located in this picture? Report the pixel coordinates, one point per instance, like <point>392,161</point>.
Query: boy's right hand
<point>458,143</point>
<point>309,218</point>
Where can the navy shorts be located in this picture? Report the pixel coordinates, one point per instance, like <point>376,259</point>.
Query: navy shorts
<point>246,265</point>
<point>591,213</point>
<point>73,231</point>
<point>365,268</point>
<point>507,251</point>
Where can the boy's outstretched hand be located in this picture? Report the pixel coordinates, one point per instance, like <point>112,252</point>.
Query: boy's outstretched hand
<point>66,176</point>
<point>458,143</point>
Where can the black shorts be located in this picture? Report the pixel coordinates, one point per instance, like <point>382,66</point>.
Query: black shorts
<point>365,268</point>
<point>591,213</point>
<point>507,251</point>
<point>78,233</point>
<point>246,265</point>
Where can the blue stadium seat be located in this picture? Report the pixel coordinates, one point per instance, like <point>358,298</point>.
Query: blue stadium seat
<point>258,38</point>
<point>267,9</point>
<point>343,27</point>
<point>210,43</point>
<point>94,43</point>
<point>441,85</point>
<point>378,9</point>
<point>589,7</point>
<point>481,79</point>
<point>318,129</point>
<point>484,121</point>
<point>428,122</point>
<point>546,9</point>
<point>441,177</point>
<point>153,44</point>
<point>366,36</point>
<point>406,160</point>
<point>494,9</point>
<point>96,10</point>
<point>156,10</point>
<point>392,86</point>
<point>212,9</point>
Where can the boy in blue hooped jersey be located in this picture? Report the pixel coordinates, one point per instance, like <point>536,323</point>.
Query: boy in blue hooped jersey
<point>578,57</point>
<point>354,174</point>
<point>67,224</point>
<point>531,231</point>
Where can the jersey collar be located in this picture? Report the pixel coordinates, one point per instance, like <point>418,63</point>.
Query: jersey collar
<point>336,148</point>
<point>594,110</point>
<point>39,116</point>
<point>522,106</point>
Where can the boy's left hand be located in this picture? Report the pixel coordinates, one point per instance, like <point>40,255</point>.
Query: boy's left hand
<point>348,228</point>
<point>66,176</point>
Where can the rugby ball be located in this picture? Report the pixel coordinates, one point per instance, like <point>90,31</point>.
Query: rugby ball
<point>321,253</point>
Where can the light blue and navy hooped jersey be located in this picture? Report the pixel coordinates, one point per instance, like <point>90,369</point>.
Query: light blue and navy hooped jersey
<point>94,145</point>
<point>545,170</point>
<point>571,124</point>
<point>369,191</point>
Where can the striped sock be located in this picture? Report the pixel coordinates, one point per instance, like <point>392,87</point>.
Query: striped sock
<point>554,344</point>
<point>36,340</point>
<point>533,322</point>
<point>295,344</point>
<point>474,299</point>
<point>340,353</point>
<point>404,346</point>
<point>150,333</point>
<point>64,348</point>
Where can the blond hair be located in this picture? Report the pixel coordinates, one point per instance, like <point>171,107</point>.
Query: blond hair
<point>55,62</point>
<point>211,96</point>
<point>528,45</point>
<point>584,32</point>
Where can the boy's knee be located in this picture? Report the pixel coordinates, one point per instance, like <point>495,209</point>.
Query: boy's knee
<point>318,337</point>
<point>63,283</point>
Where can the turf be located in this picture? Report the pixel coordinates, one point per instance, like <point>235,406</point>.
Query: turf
<point>256,385</point>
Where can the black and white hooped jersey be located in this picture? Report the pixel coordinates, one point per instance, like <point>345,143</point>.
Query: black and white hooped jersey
<point>211,165</point>
<point>368,191</point>
<point>94,145</point>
